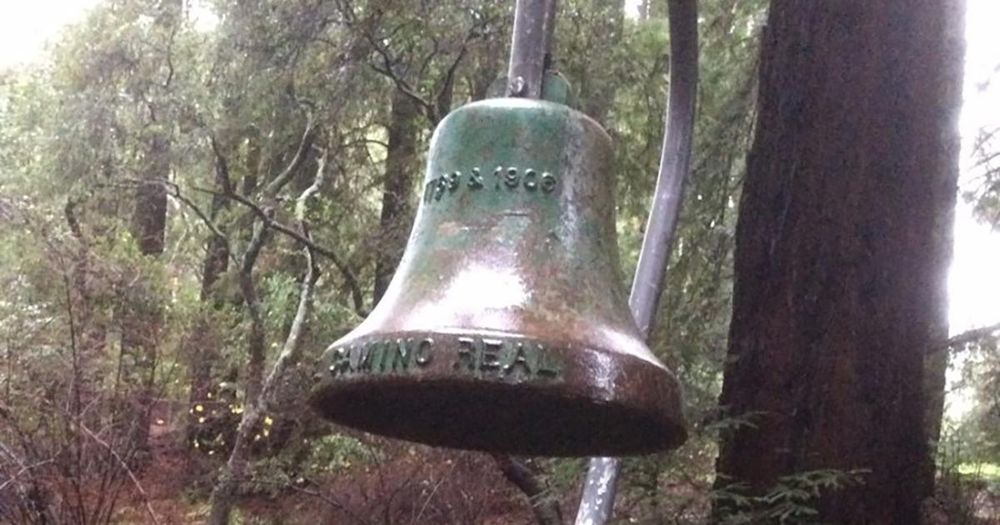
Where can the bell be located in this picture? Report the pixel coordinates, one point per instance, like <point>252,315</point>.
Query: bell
<point>506,326</point>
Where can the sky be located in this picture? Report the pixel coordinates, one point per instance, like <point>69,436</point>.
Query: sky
<point>974,279</point>
<point>25,25</point>
<point>974,282</point>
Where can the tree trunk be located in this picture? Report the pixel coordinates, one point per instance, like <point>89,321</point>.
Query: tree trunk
<point>226,489</point>
<point>88,319</point>
<point>488,67</point>
<point>935,381</point>
<point>397,214</point>
<point>257,335</point>
<point>204,342</point>
<point>842,250</point>
<point>140,315</point>
<point>149,218</point>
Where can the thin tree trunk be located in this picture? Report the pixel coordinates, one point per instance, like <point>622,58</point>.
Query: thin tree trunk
<point>225,492</point>
<point>227,486</point>
<point>842,251</point>
<point>204,341</point>
<point>91,325</point>
<point>485,75</point>
<point>140,316</point>
<point>257,337</point>
<point>397,213</point>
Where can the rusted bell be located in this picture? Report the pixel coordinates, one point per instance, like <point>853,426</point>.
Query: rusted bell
<point>506,326</point>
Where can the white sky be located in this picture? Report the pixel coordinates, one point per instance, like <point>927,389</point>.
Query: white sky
<point>974,282</point>
<point>25,25</point>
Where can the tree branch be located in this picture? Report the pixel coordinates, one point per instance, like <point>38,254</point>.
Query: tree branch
<point>267,217</point>
<point>546,509</point>
<point>349,277</point>
<point>124,465</point>
<point>175,192</point>
<point>443,98</point>
<point>291,350</point>
<point>401,84</point>
<point>224,492</point>
<point>308,137</point>
<point>969,336</point>
<point>302,203</point>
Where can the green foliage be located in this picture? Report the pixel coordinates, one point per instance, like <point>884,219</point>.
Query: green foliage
<point>297,466</point>
<point>787,502</point>
<point>974,437</point>
<point>234,101</point>
<point>966,487</point>
<point>337,452</point>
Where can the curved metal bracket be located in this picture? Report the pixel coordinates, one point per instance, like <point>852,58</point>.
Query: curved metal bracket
<point>598,499</point>
<point>534,21</point>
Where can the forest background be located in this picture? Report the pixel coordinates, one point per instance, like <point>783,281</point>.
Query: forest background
<point>196,194</point>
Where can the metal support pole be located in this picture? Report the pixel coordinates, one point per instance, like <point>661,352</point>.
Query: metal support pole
<point>598,499</point>
<point>530,48</point>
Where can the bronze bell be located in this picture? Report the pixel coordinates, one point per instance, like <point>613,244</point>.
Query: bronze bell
<point>506,326</point>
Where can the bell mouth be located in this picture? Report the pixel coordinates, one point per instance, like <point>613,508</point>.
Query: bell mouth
<point>503,395</point>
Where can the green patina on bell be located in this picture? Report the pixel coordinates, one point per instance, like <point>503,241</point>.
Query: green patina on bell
<point>506,326</point>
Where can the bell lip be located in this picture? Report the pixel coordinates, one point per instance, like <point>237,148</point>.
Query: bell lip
<point>638,411</point>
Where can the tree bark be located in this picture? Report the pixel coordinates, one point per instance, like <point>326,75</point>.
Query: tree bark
<point>140,316</point>
<point>226,488</point>
<point>204,342</point>
<point>397,213</point>
<point>843,244</point>
<point>149,219</point>
<point>935,382</point>
<point>257,335</point>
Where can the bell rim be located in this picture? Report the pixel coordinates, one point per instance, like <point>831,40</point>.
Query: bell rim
<point>604,403</point>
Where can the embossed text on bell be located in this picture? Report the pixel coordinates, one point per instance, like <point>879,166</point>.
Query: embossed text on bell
<point>506,326</point>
